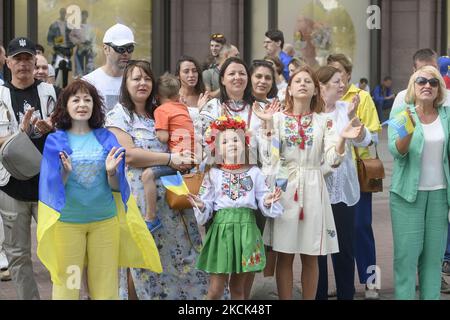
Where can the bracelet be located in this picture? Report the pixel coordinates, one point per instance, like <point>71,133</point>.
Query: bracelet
<point>170,159</point>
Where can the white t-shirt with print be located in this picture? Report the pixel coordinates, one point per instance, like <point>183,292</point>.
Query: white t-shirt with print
<point>107,86</point>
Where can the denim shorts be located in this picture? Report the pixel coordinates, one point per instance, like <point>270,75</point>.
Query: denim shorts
<point>161,171</point>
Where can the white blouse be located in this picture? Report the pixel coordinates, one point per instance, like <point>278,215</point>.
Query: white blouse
<point>221,189</point>
<point>432,175</point>
<point>342,182</point>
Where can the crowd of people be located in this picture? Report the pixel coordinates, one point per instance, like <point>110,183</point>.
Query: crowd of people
<point>275,142</point>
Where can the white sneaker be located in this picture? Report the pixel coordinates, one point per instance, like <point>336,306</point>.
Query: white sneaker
<point>3,260</point>
<point>372,294</point>
<point>5,275</point>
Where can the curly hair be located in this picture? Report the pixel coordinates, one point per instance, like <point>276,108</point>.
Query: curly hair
<point>62,119</point>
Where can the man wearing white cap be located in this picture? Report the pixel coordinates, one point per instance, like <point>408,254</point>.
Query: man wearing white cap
<point>118,46</point>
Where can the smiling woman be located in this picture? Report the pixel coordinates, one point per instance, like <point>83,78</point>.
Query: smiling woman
<point>419,190</point>
<point>83,196</point>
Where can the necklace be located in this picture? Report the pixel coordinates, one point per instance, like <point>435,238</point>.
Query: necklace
<point>231,166</point>
<point>227,110</point>
<point>236,109</point>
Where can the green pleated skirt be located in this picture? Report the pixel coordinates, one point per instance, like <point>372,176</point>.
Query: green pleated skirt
<point>233,243</point>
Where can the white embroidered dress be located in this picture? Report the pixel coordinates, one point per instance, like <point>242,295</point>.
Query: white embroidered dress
<point>314,234</point>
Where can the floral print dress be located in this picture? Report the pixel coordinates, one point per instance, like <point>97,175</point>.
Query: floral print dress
<point>179,239</point>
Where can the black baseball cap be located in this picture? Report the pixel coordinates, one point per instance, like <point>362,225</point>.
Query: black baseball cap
<point>21,45</point>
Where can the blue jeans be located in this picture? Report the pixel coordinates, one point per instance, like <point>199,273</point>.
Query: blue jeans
<point>364,244</point>
<point>161,171</point>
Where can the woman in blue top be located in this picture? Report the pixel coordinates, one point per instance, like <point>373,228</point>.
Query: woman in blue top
<point>419,197</point>
<point>80,219</point>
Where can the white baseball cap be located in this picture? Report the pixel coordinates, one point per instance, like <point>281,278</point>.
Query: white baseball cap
<point>119,35</point>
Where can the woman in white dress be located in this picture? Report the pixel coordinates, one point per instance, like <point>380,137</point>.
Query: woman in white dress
<point>306,137</point>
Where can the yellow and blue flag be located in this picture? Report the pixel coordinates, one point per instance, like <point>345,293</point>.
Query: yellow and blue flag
<point>402,123</point>
<point>137,247</point>
<point>175,184</point>
<point>276,148</point>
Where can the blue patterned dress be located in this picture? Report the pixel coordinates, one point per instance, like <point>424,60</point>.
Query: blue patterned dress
<point>180,279</point>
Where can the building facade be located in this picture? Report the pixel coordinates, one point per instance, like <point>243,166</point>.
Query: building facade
<point>380,36</point>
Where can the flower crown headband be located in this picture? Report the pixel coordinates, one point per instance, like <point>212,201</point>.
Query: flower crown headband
<point>224,123</point>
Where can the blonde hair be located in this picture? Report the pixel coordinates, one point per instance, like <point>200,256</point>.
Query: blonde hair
<point>168,86</point>
<point>410,97</point>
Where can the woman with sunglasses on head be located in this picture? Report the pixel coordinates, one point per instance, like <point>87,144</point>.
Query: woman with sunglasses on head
<point>118,47</point>
<point>419,194</point>
<point>264,92</point>
<point>133,123</point>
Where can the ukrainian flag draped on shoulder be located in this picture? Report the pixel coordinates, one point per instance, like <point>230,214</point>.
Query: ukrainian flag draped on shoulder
<point>137,247</point>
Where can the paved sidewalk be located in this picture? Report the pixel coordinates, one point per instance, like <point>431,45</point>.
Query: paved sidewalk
<point>265,288</point>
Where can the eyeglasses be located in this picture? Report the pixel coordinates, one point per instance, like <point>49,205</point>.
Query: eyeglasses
<point>422,81</point>
<point>122,49</point>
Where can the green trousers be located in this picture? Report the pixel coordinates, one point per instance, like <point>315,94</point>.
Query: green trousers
<point>420,238</point>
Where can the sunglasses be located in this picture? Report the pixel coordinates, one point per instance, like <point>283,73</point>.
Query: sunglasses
<point>217,36</point>
<point>122,49</point>
<point>422,81</point>
<point>265,63</point>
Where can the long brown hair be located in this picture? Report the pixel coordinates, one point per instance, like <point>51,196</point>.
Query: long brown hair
<point>317,103</point>
<point>125,98</point>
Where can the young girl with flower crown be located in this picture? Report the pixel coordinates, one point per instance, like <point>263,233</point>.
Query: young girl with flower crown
<point>233,190</point>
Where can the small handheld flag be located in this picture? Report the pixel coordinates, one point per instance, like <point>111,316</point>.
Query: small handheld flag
<point>282,184</point>
<point>275,148</point>
<point>401,123</point>
<point>175,184</point>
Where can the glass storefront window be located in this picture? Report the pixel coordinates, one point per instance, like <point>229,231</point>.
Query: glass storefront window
<point>318,28</point>
<point>76,28</point>
<point>20,24</point>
